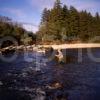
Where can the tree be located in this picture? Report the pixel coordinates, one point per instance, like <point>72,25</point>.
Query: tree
<point>97,24</point>
<point>74,22</point>
<point>61,23</point>
<point>26,40</point>
<point>66,21</point>
<point>57,4</point>
<point>9,28</point>
<point>45,16</point>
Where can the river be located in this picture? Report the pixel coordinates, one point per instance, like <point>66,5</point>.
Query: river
<point>71,81</point>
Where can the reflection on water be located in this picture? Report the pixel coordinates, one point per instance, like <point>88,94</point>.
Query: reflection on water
<point>70,81</point>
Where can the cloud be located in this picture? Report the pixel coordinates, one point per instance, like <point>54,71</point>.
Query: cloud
<point>32,28</point>
<point>92,6</point>
<point>82,4</point>
<point>41,4</point>
<point>89,5</point>
<point>22,18</point>
<point>14,11</point>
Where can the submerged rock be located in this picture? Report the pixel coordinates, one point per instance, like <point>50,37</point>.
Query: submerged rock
<point>40,94</point>
<point>54,86</point>
<point>57,94</point>
<point>1,83</point>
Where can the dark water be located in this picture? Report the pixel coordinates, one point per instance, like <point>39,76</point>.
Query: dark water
<point>71,81</point>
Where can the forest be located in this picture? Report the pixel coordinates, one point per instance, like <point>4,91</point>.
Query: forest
<point>64,24</point>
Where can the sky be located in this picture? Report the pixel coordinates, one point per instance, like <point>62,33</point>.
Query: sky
<point>29,12</point>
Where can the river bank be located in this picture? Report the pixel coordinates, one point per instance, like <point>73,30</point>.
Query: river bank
<point>72,46</point>
<point>55,47</point>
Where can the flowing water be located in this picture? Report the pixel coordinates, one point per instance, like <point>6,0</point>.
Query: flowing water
<point>20,80</point>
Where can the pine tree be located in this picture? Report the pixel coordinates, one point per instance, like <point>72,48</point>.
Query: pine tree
<point>74,22</point>
<point>66,19</point>
<point>57,4</point>
<point>61,23</point>
<point>45,16</point>
<point>55,25</point>
<point>97,24</point>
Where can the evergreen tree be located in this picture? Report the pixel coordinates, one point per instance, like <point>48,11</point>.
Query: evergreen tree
<point>66,18</point>
<point>74,22</point>
<point>45,16</point>
<point>61,23</point>
<point>97,24</point>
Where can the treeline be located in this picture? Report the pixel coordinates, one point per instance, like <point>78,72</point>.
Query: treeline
<point>68,24</point>
<point>15,30</point>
